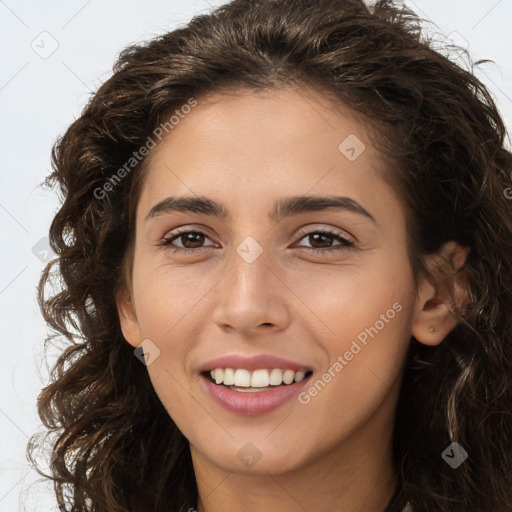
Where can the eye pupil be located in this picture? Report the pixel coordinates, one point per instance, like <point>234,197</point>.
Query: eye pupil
<point>316,236</point>
<point>189,237</point>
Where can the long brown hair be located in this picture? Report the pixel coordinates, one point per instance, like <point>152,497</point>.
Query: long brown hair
<point>115,447</point>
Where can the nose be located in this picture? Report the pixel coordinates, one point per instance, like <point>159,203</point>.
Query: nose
<point>251,297</point>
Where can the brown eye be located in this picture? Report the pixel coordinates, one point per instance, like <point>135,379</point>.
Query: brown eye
<point>321,241</point>
<point>189,240</point>
<point>320,238</point>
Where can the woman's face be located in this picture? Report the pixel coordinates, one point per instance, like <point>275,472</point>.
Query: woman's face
<point>264,280</point>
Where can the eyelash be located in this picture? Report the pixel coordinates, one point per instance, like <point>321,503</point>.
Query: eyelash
<point>345,244</point>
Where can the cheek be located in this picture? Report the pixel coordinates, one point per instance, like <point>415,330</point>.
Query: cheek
<point>165,297</point>
<point>338,303</point>
<point>170,313</point>
<point>364,333</point>
<point>360,377</point>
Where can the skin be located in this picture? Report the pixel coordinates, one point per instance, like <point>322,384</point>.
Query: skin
<point>246,150</point>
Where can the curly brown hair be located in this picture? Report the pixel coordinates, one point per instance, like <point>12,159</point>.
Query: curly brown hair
<point>445,141</point>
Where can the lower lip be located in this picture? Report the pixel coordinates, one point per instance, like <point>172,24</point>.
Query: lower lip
<point>252,404</point>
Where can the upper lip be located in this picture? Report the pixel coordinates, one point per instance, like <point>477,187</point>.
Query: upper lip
<point>252,363</point>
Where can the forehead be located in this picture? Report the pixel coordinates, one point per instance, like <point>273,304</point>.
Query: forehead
<point>251,146</point>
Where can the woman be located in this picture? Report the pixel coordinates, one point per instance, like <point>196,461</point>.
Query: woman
<point>285,244</point>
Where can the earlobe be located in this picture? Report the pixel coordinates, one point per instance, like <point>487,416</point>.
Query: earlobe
<point>436,315</point>
<point>128,318</point>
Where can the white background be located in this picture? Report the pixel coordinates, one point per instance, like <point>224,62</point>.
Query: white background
<point>40,97</point>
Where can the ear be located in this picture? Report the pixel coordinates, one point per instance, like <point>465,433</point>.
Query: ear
<point>128,317</point>
<point>436,312</point>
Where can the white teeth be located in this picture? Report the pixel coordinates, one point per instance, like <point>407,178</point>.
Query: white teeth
<point>257,379</point>
<point>242,378</point>
<point>276,377</point>
<point>229,376</point>
<point>288,376</point>
<point>299,376</point>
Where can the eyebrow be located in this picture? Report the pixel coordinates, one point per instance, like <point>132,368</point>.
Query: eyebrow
<point>283,207</point>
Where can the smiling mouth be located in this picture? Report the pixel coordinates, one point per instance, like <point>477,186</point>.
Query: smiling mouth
<point>260,382</point>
